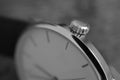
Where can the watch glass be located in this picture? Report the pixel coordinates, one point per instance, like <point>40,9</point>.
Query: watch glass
<point>44,54</point>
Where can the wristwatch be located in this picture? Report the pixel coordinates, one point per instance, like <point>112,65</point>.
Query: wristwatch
<point>47,51</point>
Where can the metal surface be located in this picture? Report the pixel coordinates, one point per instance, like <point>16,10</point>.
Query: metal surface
<point>79,30</point>
<point>67,33</point>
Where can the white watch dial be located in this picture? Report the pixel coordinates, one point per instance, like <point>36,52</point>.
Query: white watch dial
<point>45,54</point>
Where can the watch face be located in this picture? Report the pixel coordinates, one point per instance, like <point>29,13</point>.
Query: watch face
<point>46,54</point>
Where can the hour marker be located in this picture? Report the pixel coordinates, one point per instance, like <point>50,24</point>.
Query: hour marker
<point>85,65</point>
<point>66,46</point>
<point>48,39</point>
<point>33,41</point>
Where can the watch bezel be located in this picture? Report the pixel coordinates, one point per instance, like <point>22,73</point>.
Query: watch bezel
<point>95,53</point>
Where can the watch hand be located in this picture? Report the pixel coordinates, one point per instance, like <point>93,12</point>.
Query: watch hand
<point>43,70</point>
<point>76,79</point>
<point>38,76</point>
<point>33,75</point>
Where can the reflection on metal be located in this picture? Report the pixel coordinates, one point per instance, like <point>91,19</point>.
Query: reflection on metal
<point>79,29</point>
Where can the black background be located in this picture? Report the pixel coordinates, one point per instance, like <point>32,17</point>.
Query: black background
<point>10,31</point>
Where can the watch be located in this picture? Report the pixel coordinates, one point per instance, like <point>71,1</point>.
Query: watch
<point>57,51</point>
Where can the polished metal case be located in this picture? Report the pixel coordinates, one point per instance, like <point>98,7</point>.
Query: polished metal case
<point>91,53</point>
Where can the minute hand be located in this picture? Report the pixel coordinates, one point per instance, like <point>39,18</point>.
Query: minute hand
<point>76,79</point>
<point>43,70</point>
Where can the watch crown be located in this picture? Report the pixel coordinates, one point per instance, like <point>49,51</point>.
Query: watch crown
<point>78,28</point>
